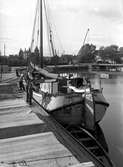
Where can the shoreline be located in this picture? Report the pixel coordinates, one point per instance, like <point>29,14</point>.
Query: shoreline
<point>107,72</point>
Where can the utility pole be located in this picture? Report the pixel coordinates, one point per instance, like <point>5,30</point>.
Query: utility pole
<point>0,67</point>
<point>1,72</point>
<point>4,49</point>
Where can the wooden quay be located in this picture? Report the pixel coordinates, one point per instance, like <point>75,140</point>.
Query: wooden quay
<point>29,137</point>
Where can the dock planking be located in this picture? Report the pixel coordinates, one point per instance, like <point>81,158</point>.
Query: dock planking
<point>32,148</point>
<point>14,103</point>
<point>19,116</point>
<point>23,136</point>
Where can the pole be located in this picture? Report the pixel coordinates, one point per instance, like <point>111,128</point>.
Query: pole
<point>94,109</point>
<point>1,72</point>
<point>4,49</point>
<point>80,51</point>
<point>41,34</point>
<point>86,36</point>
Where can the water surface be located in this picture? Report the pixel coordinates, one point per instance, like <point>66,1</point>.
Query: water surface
<point>112,123</point>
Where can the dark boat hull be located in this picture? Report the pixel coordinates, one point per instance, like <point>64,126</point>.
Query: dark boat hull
<point>72,109</point>
<point>67,109</point>
<point>96,105</point>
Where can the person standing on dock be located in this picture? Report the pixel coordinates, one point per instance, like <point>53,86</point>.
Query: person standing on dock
<point>29,91</point>
<point>21,85</point>
<point>17,73</point>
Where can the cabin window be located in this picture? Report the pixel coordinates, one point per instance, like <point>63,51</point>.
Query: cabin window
<point>55,87</point>
<point>77,82</point>
<point>49,86</point>
<point>62,86</point>
<point>46,87</point>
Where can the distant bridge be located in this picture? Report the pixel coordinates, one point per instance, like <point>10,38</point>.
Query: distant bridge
<point>86,67</point>
<point>107,67</point>
<point>70,68</point>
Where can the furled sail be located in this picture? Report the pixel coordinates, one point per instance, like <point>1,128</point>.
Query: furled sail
<point>44,72</point>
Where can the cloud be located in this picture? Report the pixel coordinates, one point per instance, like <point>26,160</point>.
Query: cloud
<point>107,13</point>
<point>70,18</point>
<point>69,6</point>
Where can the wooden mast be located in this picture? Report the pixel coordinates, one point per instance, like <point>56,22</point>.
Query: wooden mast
<point>41,34</point>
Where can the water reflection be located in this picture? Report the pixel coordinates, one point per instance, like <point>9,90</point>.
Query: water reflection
<point>112,122</point>
<point>99,135</point>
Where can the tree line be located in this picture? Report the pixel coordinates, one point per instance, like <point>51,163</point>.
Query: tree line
<point>87,54</point>
<point>108,54</point>
<point>24,57</point>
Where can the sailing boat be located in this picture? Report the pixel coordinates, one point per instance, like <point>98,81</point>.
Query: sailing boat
<point>72,100</point>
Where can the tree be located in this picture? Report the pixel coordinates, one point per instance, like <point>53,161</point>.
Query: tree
<point>21,54</point>
<point>55,60</point>
<point>121,49</point>
<point>34,56</point>
<point>87,53</point>
<point>21,59</point>
<point>66,59</point>
<point>109,53</point>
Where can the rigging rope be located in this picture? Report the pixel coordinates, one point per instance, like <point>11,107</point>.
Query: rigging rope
<point>57,42</point>
<point>38,31</point>
<point>52,45</point>
<point>35,36</point>
<point>49,32</point>
<point>34,26</point>
<point>58,37</point>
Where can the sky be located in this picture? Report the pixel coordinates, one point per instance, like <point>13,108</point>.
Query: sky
<point>70,20</point>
